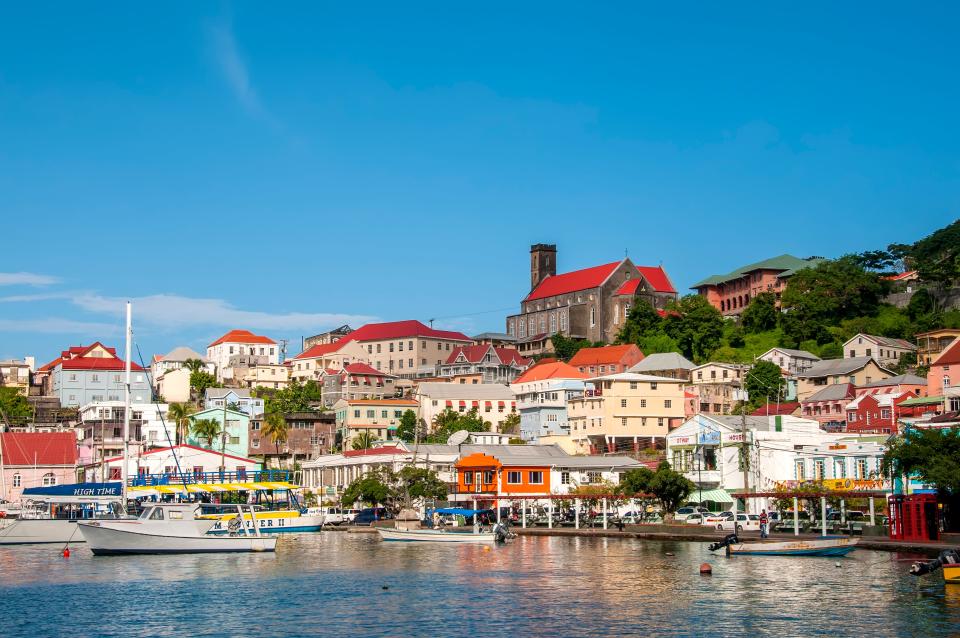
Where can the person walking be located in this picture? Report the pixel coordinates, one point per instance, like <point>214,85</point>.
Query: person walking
<point>763,524</point>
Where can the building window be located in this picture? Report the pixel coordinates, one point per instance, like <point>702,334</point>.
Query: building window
<point>623,421</point>
<point>468,478</point>
<point>667,403</point>
<point>16,479</point>
<point>818,470</point>
<point>801,470</point>
<point>623,403</point>
<point>536,478</point>
<point>593,316</point>
<point>49,479</point>
<point>861,471</point>
<point>565,478</point>
<point>643,403</point>
<point>513,478</point>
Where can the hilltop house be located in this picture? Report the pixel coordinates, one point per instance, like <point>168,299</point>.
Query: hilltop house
<point>85,374</point>
<point>493,402</point>
<point>791,361</point>
<point>313,362</point>
<point>715,385</point>
<point>855,371</point>
<point>606,360</point>
<point>665,364</point>
<point>542,393</point>
<point>356,381</point>
<point>731,293</point>
<point>492,364</point>
<point>591,303</point>
<point>241,342</point>
<point>884,350</point>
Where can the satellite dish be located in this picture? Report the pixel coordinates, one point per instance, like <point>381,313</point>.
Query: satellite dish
<point>458,437</point>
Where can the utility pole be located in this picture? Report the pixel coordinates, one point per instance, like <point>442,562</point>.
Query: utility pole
<point>744,447</point>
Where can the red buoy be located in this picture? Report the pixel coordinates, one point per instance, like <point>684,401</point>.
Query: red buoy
<point>66,552</point>
<point>705,569</point>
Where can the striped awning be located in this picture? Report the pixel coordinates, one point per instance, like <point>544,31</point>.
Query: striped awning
<point>716,496</point>
<point>204,488</point>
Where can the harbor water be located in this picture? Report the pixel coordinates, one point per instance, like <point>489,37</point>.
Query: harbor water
<point>354,584</point>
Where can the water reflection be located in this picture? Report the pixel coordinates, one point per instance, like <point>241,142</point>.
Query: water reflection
<point>349,583</point>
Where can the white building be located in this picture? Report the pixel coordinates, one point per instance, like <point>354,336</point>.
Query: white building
<point>193,461</point>
<point>789,360</point>
<point>493,402</point>
<point>175,360</point>
<point>331,473</point>
<point>101,428</point>
<point>239,397</point>
<point>542,394</point>
<point>241,342</point>
<point>707,450</point>
<point>885,350</point>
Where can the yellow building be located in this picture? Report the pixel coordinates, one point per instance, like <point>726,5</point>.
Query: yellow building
<point>625,411</point>
<point>378,417</point>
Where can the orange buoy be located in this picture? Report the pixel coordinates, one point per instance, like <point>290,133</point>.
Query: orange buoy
<point>66,552</point>
<point>706,569</point>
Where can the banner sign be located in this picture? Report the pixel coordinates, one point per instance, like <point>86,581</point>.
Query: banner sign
<point>93,490</point>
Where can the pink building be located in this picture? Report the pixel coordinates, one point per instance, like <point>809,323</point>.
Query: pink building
<point>731,293</point>
<point>944,370</point>
<point>37,459</point>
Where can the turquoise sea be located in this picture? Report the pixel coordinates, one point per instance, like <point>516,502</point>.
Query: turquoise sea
<point>355,585</point>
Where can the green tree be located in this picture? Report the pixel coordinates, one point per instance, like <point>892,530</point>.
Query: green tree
<point>937,256</point>
<point>417,482</point>
<point>206,429</point>
<point>193,365</point>
<point>275,427</point>
<point>636,481</point>
<point>816,298</point>
<point>642,321</point>
<point>15,407</point>
<point>370,488</point>
<point>296,397</point>
<point>671,488</point>
<point>510,424</point>
<point>932,455</point>
<point>764,382</point>
<point>565,347</point>
<point>660,342</point>
<point>363,441</point>
<point>695,325</point>
<point>449,421</point>
<point>407,428</point>
<point>179,415</point>
<point>832,350</point>
<point>760,314</point>
<point>200,381</point>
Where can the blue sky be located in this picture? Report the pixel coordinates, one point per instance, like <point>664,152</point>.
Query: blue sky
<point>229,165</point>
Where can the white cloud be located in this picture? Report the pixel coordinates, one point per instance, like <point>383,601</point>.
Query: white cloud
<point>26,279</point>
<point>234,68</point>
<point>58,325</point>
<point>174,311</point>
<point>43,296</point>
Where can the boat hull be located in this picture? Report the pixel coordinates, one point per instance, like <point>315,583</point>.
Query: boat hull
<point>833,546</point>
<point>434,536</point>
<point>951,574</point>
<point>25,531</point>
<point>273,523</point>
<point>106,541</point>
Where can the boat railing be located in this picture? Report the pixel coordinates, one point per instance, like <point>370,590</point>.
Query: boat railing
<point>179,478</point>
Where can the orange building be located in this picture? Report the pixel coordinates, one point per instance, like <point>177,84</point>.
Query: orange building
<point>486,476</point>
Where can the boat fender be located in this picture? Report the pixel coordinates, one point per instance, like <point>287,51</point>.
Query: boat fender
<point>706,569</point>
<point>3,514</point>
<point>66,552</point>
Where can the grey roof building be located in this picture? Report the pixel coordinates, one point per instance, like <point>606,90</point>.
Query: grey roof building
<point>663,361</point>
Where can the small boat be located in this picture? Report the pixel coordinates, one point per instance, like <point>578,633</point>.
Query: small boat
<point>948,561</point>
<point>441,535</point>
<point>823,546</point>
<point>174,528</point>
<point>50,514</point>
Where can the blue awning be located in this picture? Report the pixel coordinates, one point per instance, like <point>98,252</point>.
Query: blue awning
<point>460,510</point>
<point>76,491</point>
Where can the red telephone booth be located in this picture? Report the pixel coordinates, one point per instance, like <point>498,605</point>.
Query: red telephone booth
<point>913,517</point>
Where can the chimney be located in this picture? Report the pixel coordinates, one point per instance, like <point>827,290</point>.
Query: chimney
<point>543,263</point>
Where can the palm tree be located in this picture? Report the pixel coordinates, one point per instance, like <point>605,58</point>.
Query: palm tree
<point>362,441</point>
<point>179,415</point>
<point>193,365</point>
<point>208,429</point>
<point>275,427</point>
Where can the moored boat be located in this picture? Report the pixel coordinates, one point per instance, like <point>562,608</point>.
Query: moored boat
<point>173,528</point>
<point>823,546</point>
<point>273,521</point>
<point>948,562</point>
<point>436,535</point>
<point>50,514</point>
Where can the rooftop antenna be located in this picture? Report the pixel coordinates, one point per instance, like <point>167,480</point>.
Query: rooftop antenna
<point>431,323</point>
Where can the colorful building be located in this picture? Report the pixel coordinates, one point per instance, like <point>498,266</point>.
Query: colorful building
<point>377,417</point>
<point>88,374</point>
<point>716,386</point>
<point>931,344</point>
<point>241,342</point>
<point>406,349</point>
<point>489,363</point>
<point>37,459</point>
<point>356,381</point>
<point>732,292</point>
<point>234,437</point>
<point>943,379</point>
<point>606,360</point>
<point>854,371</point>
<point>493,402</point>
<point>313,362</point>
<point>542,393</point>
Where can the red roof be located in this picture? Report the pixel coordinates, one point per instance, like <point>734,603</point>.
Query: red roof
<point>776,409</point>
<point>363,368</point>
<point>40,448</point>
<point>241,336</point>
<point>475,354</point>
<point>604,355</point>
<point>401,330</point>
<point>593,277</point>
<point>573,281</point>
<point>98,363</point>
<point>185,446</point>
<point>551,370</point>
<point>371,451</point>
<point>319,350</point>
<point>900,276</point>
<point>512,355</point>
<point>950,356</point>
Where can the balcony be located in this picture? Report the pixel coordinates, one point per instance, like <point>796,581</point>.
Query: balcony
<point>703,477</point>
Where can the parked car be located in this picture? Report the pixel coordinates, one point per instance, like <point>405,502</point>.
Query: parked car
<point>333,516</point>
<point>748,522</point>
<point>368,515</point>
<point>714,519</point>
<point>686,511</point>
<point>698,518</point>
<point>350,514</point>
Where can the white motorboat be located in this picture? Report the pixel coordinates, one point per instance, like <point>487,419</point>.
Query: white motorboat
<point>823,546</point>
<point>51,513</point>
<point>174,528</point>
<point>274,521</point>
<point>436,535</point>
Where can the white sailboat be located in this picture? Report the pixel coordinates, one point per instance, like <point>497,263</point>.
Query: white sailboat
<point>173,528</point>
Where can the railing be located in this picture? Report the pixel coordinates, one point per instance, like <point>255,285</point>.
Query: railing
<point>179,478</point>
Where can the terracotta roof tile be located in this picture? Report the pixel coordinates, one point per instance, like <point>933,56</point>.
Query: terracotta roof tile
<point>401,330</point>
<point>551,370</point>
<point>950,355</point>
<point>602,356</point>
<point>241,336</point>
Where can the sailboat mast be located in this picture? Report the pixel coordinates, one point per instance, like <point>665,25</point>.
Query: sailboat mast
<point>126,414</point>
